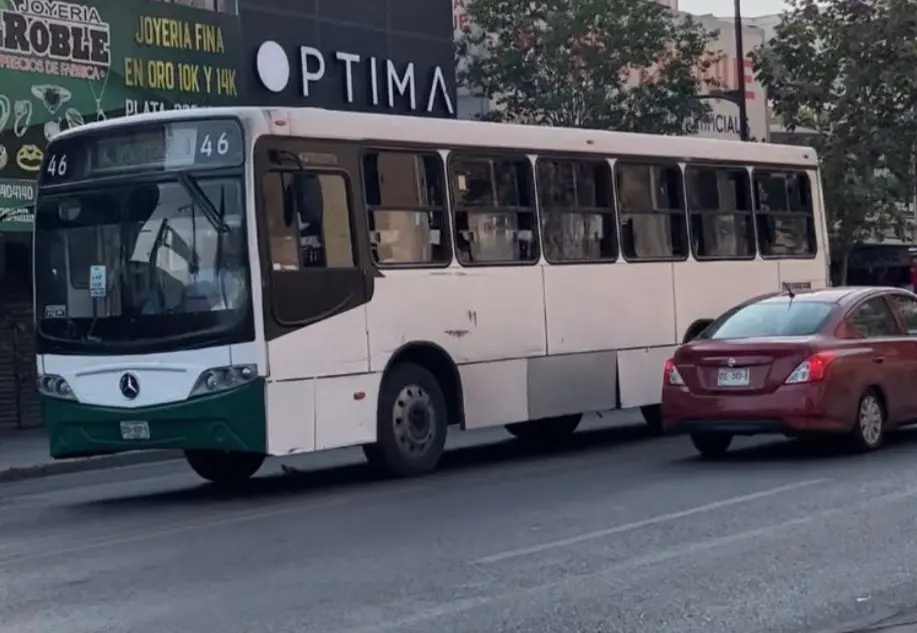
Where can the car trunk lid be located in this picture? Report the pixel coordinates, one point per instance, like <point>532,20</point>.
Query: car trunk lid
<point>751,365</point>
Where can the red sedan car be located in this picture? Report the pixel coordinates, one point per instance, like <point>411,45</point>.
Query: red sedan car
<point>839,361</point>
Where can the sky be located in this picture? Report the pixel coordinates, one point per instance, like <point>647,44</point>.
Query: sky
<point>750,8</point>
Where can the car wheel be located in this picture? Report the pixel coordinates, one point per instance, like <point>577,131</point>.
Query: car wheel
<point>868,430</point>
<point>711,444</point>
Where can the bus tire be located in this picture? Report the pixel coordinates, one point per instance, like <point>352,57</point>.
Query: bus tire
<point>652,415</point>
<point>224,468</point>
<point>546,431</point>
<point>412,422</point>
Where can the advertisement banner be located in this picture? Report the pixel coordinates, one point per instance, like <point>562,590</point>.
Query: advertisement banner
<point>63,64</point>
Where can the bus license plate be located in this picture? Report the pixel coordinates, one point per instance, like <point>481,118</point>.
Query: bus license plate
<point>732,377</point>
<point>135,430</point>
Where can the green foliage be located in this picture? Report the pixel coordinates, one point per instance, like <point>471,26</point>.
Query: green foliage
<point>846,70</point>
<point>577,63</point>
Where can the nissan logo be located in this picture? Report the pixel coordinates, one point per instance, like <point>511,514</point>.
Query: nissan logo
<point>129,386</point>
<point>731,362</point>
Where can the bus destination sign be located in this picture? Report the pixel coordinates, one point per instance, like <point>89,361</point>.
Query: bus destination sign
<point>187,144</point>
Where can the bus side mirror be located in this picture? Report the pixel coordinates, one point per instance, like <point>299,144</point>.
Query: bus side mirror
<point>307,198</point>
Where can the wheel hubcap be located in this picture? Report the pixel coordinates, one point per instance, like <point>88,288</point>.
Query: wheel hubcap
<point>871,420</point>
<point>414,418</point>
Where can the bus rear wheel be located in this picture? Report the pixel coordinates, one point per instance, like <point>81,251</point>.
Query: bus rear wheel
<point>225,468</point>
<point>547,431</point>
<point>652,415</point>
<point>412,422</point>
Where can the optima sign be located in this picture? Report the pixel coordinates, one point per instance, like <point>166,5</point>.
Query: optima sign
<point>382,82</point>
<point>38,32</point>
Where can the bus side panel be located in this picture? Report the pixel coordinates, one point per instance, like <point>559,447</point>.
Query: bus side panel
<point>609,307</point>
<point>489,320</point>
<point>804,271</point>
<point>704,290</point>
<point>593,312</point>
<point>640,375</point>
<point>317,374</point>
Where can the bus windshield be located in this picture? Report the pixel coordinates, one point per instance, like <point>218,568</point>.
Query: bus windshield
<point>141,263</point>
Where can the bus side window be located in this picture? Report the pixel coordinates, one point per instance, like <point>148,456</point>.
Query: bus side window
<point>719,205</point>
<point>651,212</point>
<point>494,207</point>
<point>406,203</point>
<point>308,220</point>
<point>784,214</point>
<point>577,210</point>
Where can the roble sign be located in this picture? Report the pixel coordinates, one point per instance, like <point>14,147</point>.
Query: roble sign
<point>386,82</point>
<point>55,38</point>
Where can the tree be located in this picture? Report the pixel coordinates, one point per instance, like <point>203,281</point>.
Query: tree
<point>844,69</point>
<point>627,65</point>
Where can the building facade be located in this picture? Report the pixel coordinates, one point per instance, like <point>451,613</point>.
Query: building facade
<point>64,63</point>
<point>724,120</point>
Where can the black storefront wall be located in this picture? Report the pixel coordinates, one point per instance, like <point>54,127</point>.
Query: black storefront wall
<point>386,56</point>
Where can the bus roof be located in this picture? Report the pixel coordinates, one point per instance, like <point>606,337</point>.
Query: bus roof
<point>447,133</point>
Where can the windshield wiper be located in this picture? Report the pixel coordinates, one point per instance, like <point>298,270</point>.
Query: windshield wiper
<point>200,199</point>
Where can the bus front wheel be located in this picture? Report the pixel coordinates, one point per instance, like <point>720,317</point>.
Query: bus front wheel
<point>224,467</point>
<point>412,422</point>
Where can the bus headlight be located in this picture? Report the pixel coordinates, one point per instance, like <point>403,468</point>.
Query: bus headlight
<point>218,379</point>
<point>55,386</point>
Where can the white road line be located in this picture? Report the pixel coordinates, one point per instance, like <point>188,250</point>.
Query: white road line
<point>627,527</point>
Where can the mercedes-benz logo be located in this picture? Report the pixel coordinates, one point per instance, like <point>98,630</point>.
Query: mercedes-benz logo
<point>731,362</point>
<point>129,386</point>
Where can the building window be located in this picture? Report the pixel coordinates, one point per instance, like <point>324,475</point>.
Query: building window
<point>308,220</point>
<point>784,214</point>
<point>406,202</point>
<point>651,211</point>
<point>577,210</point>
<point>494,209</point>
<point>720,208</point>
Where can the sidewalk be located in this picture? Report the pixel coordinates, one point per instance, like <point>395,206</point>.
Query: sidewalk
<point>24,455</point>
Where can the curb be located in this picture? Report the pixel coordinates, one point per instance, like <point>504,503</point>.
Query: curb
<point>87,464</point>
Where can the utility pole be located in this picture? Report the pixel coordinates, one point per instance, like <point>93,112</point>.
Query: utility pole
<point>740,96</point>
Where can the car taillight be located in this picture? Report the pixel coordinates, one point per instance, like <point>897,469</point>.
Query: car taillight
<point>670,374</point>
<point>813,369</point>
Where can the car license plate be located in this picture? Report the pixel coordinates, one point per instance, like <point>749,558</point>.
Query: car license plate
<point>135,430</point>
<point>732,377</point>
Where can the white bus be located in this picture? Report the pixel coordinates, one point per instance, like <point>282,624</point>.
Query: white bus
<point>243,282</point>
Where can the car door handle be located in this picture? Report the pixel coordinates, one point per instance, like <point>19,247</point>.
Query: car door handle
<point>878,361</point>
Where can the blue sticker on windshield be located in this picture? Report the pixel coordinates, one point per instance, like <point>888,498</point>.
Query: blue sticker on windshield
<point>98,281</point>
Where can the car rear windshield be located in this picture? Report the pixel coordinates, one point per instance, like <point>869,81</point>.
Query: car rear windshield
<point>786,318</point>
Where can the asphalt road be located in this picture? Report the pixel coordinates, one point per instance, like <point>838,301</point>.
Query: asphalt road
<point>620,532</point>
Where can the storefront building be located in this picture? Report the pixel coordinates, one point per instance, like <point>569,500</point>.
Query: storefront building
<point>386,56</point>
<point>63,64</point>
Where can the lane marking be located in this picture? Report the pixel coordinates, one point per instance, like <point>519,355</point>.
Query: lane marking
<point>366,493</point>
<point>617,570</point>
<point>627,527</point>
<point>614,570</point>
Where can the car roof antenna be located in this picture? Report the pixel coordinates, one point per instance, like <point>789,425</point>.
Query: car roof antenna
<point>788,289</point>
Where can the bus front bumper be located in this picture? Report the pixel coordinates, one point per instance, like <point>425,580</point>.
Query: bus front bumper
<point>233,420</point>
